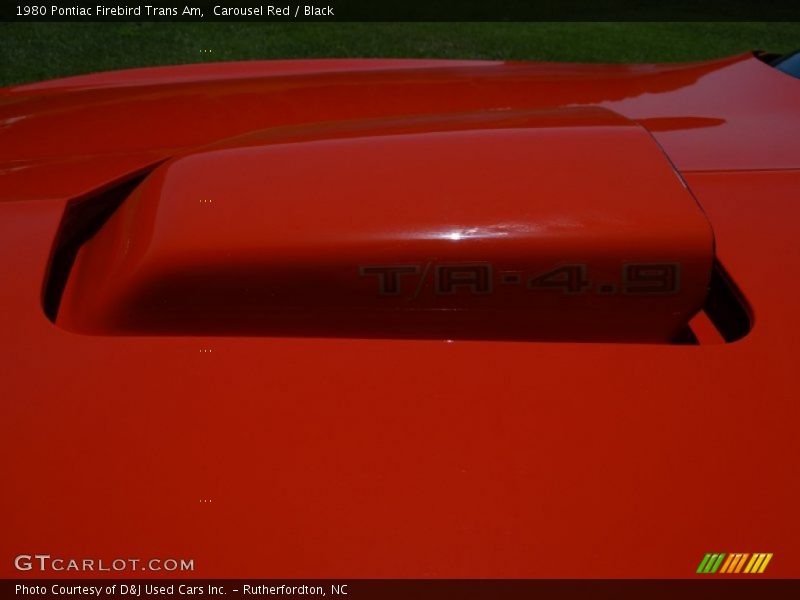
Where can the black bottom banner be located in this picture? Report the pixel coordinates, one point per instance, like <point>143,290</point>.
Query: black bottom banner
<point>387,589</point>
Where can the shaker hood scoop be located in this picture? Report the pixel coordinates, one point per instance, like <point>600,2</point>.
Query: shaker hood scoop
<point>564,225</point>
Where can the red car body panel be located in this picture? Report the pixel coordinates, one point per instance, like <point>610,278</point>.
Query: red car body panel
<point>339,456</point>
<point>405,231</point>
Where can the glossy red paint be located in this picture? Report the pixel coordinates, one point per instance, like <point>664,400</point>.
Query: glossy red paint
<point>436,228</point>
<point>347,457</point>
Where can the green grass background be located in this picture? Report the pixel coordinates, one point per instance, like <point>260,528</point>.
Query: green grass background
<point>36,51</point>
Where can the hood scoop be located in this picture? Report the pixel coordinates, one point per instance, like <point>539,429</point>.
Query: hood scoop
<point>568,225</point>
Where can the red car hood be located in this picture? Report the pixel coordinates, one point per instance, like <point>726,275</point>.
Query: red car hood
<point>342,456</point>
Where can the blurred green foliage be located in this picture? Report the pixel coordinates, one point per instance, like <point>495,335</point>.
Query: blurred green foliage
<point>36,51</point>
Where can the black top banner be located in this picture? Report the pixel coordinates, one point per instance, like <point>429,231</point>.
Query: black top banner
<point>405,10</point>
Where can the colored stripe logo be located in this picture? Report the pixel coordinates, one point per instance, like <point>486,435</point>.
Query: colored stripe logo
<point>738,562</point>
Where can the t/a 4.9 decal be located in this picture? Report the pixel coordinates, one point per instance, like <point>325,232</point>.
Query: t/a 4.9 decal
<point>480,278</point>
